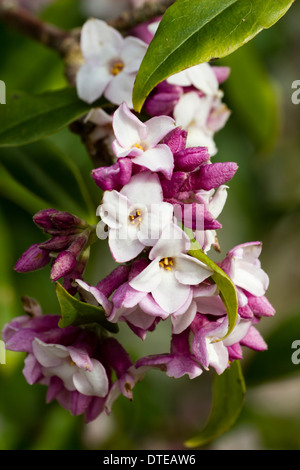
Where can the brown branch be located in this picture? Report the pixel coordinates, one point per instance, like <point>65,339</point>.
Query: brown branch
<point>131,18</point>
<point>31,26</point>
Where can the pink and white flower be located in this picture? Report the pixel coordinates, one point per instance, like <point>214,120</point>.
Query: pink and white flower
<point>111,63</point>
<point>141,140</point>
<point>201,117</point>
<point>172,273</point>
<point>135,216</point>
<point>209,347</point>
<point>243,266</point>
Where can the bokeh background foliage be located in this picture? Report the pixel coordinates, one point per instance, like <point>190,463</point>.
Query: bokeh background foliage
<point>263,204</point>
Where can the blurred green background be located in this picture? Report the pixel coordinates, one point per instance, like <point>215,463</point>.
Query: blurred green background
<point>263,204</point>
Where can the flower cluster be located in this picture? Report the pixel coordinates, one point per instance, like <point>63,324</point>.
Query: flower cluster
<point>162,197</point>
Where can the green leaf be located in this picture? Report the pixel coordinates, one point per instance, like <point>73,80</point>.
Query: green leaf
<point>228,398</point>
<point>225,285</point>
<point>27,117</point>
<point>251,94</point>
<point>75,312</point>
<point>196,31</point>
<point>39,175</point>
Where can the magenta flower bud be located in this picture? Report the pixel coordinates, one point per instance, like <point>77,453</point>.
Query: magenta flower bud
<point>191,158</point>
<point>163,100</point>
<point>64,220</point>
<point>114,176</point>
<point>63,264</point>
<point>173,186</point>
<point>57,243</point>
<point>78,244</point>
<point>115,356</point>
<point>210,176</point>
<point>34,258</point>
<point>176,140</point>
<point>43,218</point>
<point>111,282</point>
<point>195,216</point>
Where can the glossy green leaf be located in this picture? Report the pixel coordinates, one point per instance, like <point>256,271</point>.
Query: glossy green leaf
<point>76,312</point>
<point>27,117</point>
<point>251,94</point>
<point>39,176</point>
<point>225,285</point>
<point>197,31</point>
<point>228,398</point>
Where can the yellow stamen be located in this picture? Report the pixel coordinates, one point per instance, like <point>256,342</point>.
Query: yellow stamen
<point>117,68</point>
<point>166,263</point>
<point>138,146</point>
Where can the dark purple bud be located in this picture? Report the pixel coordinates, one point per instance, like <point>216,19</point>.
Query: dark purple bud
<point>78,244</point>
<point>114,176</point>
<point>180,343</point>
<point>111,282</point>
<point>57,243</point>
<point>195,216</point>
<point>210,176</point>
<point>62,265</point>
<point>43,219</point>
<point>66,221</point>
<point>163,99</point>
<point>191,158</point>
<point>176,140</point>
<point>115,356</point>
<point>172,187</point>
<point>34,258</point>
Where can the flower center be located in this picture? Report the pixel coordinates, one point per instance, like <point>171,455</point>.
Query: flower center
<point>116,68</point>
<point>138,146</point>
<point>166,263</point>
<point>135,217</point>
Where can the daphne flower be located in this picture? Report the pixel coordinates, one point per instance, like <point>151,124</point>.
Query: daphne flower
<point>193,113</point>
<point>172,272</point>
<point>200,76</point>
<point>111,63</point>
<point>244,268</point>
<point>135,216</point>
<point>140,140</point>
<point>208,344</point>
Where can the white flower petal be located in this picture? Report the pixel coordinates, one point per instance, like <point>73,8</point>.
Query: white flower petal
<point>157,128</point>
<point>204,79</point>
<point>120,89</point>
<point>169,293</point>
<point>190,270</point>
<point>92,383</point>
<point>114,210</point>
<point>132,53</point>
<point>128,129</point>
<point>124,244</point>
<point>143,188</point>
<point>49,355</point>
<point>154,222</point>
<point>95,34</point>
<point>182,322</point>
<point>173,241</point>
<point>159,158</point>
<point>91,82</point>
<point>148,279</point>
